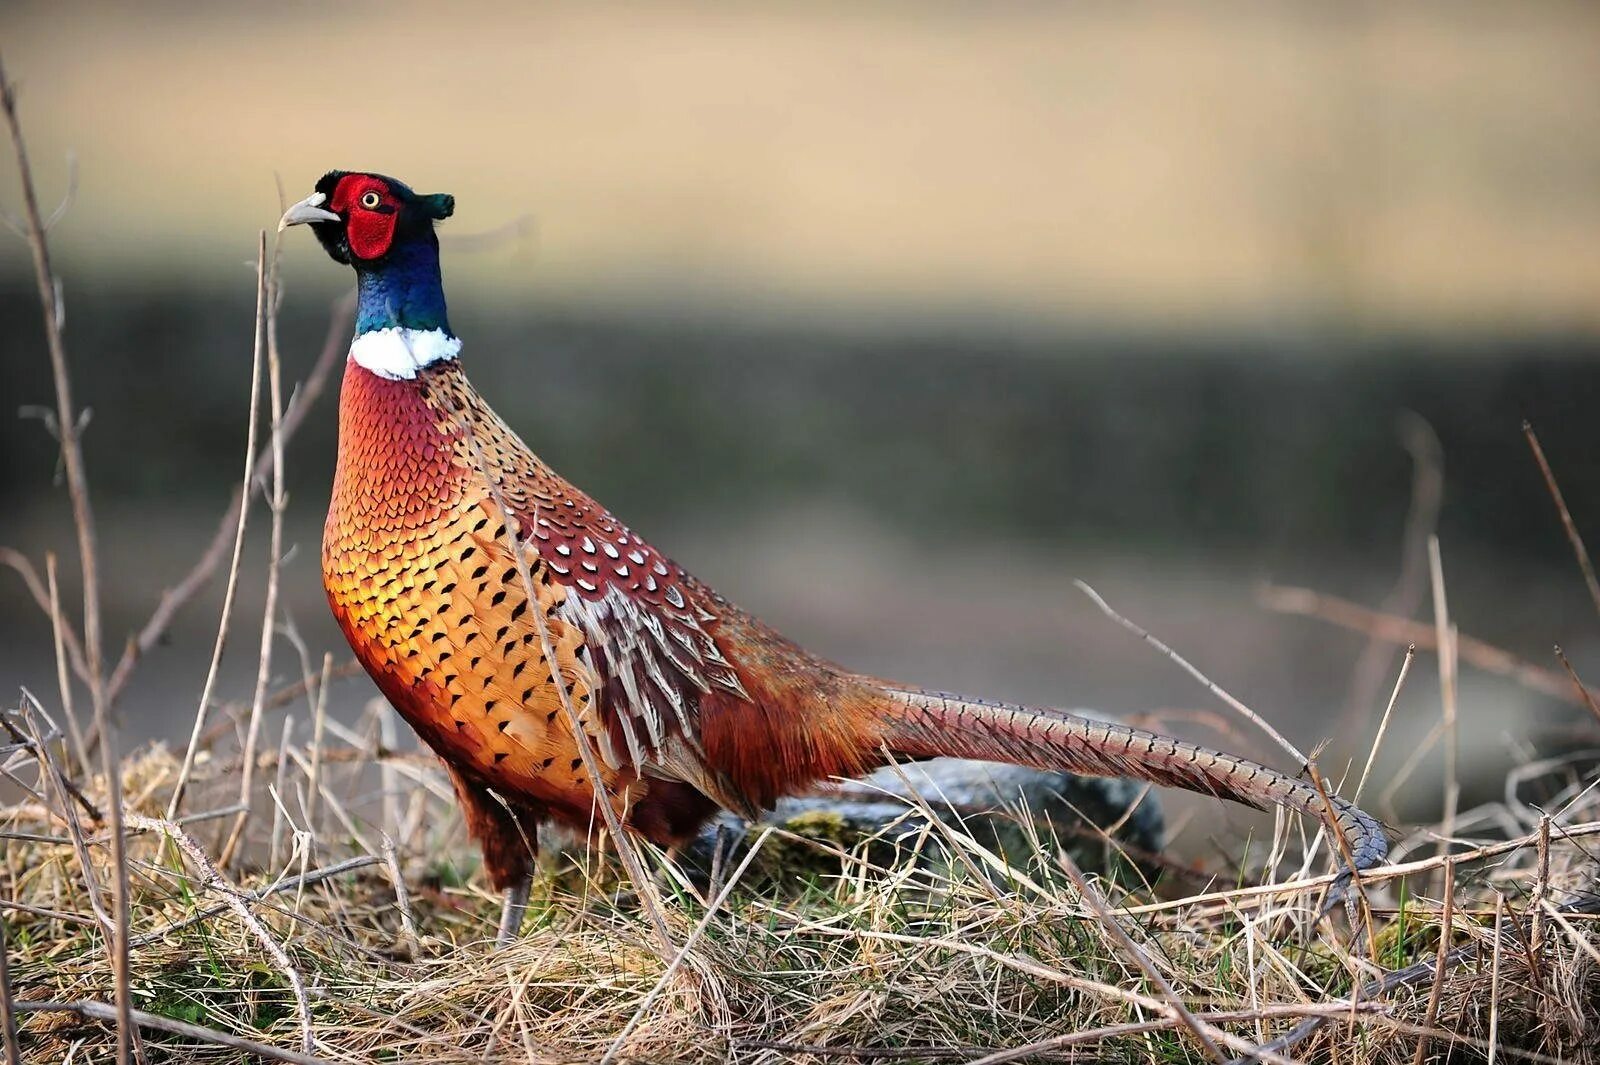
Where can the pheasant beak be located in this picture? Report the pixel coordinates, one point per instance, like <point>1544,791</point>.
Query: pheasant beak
<point>307,210</point>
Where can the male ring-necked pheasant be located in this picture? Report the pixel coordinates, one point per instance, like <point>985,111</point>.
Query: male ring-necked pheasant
<point>443,521</point>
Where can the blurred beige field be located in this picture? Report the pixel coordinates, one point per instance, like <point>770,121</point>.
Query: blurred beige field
<point>1415,164</point>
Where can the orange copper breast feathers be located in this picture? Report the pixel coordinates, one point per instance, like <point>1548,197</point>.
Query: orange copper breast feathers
<point>433,499</point>
<point>421,579</point>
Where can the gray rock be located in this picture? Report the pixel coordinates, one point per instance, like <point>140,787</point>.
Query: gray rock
<point>1002,807</point>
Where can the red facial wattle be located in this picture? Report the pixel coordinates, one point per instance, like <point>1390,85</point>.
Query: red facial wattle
<point>370,211</point>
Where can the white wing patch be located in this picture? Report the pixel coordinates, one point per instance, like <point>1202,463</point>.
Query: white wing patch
<point>653,666</point>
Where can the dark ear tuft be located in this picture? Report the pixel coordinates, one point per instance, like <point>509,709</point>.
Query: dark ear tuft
<point>329,181</point>
<point>440,205</point>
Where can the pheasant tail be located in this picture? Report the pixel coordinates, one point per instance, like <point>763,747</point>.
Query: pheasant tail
<point>926,724</point>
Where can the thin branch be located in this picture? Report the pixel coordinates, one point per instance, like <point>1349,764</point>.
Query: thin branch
<point>239,903</point>
<point>1479,654</point>
<point>8,1017</point>
<point>58,632</point>
<point>280,815</point>
<point>17,561</point>
<point>1583,691</point>
<point>1494,977</point>
<point>319,723</point>
<point>66,419</point>
<point>1383,723</point>
<point>1579,551</point>
<point>1342,840</point>
<point>99,1011</point>
<point>68,429</point>
<point>292,883</point>
<point>1446,924</point>
<point>275,506</point>
<point>285,695</point>
<point>1405,597</point>
<point>259,467</point>
<point>1445,635</point>
<point>1212,686</point>
<point>55,780</point>
<point>243,499</point>
<point>1119,935</point>
<point>402,897</point>
<point>683,951</point>
<point>53,915</point>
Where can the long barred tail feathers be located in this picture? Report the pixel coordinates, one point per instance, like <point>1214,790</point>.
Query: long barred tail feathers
<point>926,724</point>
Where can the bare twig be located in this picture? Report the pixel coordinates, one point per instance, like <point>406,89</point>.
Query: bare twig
<point>258,469</point>
<point>1113,927</point>
<point>293,883</point>
<point>17,561</point>
<point>319,722</point>
<point>67,430</point>
<point>59,630</point>
<point>8,1019</point>
<point>1403,600</point>
<point>1558,914</point>
<point>239,902</point>
<point>1583,691</point>
<point>1342,840</point>
<point>67,427</point>
<point>1445,927</point>
<point>101,1012</point>
<point>269,612</point>
<point>283,697</point>
<point>68,197</point>
<point>402,897</point>
<point>1183,663</point>
<point>1579,551</point>
<point>1477,653</point>
<point>1494,978</point>
<point>1541,886</point>
<point>257,346</point>
<point>279,815</point>
<point>683,951</point>
<point>1445,635</point>
<point>1383,723</point>
<point>54,915</point>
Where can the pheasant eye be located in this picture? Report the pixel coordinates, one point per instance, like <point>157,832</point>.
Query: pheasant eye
<point>371,200</point>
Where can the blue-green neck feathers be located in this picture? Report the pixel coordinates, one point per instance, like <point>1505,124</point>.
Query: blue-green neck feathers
<point>402,290</point>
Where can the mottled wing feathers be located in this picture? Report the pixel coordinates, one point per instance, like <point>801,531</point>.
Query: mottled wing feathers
<point>641,624</point>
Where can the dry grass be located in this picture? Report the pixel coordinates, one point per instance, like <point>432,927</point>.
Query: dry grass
<point>299,889</point>
<point>829,957</point>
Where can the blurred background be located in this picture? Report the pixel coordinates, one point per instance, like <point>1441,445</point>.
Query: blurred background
<point>889,321</point>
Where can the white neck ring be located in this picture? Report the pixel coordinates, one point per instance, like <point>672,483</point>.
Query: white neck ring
<point>399,354</point>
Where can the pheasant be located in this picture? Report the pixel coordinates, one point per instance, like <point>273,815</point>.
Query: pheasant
<point>554,659</point>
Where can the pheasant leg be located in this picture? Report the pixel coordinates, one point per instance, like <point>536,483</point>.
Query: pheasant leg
<point>516,907</point>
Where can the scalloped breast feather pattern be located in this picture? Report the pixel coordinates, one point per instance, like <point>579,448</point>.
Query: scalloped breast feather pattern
<point>399,354</point>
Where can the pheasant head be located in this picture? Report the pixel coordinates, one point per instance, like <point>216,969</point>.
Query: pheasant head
<point>385,231</point>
